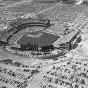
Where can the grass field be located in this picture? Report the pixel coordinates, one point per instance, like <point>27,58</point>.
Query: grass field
<point>45,39</point>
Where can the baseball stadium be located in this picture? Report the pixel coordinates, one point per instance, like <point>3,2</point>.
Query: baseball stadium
<point>39,38</point>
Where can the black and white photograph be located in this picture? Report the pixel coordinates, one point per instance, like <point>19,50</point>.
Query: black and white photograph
<point>43,43</point>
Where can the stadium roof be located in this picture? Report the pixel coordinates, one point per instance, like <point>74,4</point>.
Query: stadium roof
<point>66,38</point>
<point>57,28</point>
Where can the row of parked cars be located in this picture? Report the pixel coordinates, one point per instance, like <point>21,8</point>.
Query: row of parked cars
<point>45,85</point>
<point>57,81</point>
<point>10,81</point>
<point>10,62</point>
<point>72,83</point>
<point>1,86</point>
<point>72,75</point>
<point>71,78</point>
<point>61,75</point>
<point>62,69</point>
<point>12,73</point>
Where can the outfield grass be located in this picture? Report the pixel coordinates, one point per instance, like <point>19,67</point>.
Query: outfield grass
<point>45,39</point>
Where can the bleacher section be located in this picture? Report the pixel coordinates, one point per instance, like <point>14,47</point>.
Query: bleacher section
<point>12,30</point>
<point>16,36</point>
<point>66,38</point>
<point>4,37</point>
<point>29,21</point>
<point>20,24</point>
<point>8,34</point>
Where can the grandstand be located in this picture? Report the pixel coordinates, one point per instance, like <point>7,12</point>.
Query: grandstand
<point>68,37</point>
<point>41,37</point>
<point>4,37</point>
<point>8,34</point>
<point>16,36</point>
<point>20,24</point>
<point>30,21</point>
